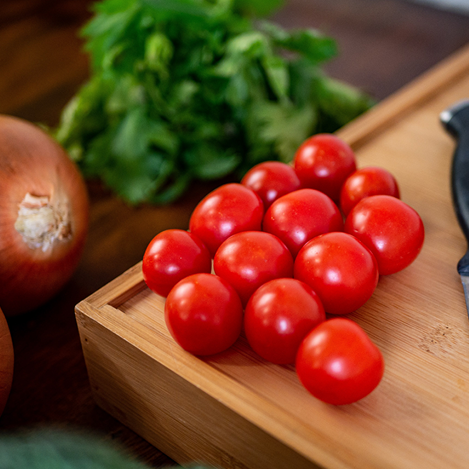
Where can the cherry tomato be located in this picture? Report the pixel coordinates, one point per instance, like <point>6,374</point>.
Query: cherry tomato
<point>278,316</point>
<point>301,215</point>
<point>364,183</point>
<point>270,180</point>
<point>203,314</point>
<point>392,230</point>
<point>324,162</point>
<point>229,209</point>
<point>338,363</point>
<point>172,255</point>
<point>340,269</point>
<point>249,259</point>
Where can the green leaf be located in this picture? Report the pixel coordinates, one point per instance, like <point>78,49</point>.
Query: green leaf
<point>206,161</point>
<point>228,66</point>
<point>196,89</point>
<point>251,44</point>
<point>237,90</point>
<point>163,174</point>
<point>274,31</point>
<point>277,73</point>
<point>98,154</point>
<point>186,8</point>
<point>127,94</point>
<point>183,93</point>
<point>104,31</point>
<point>111,7</point>
<point>258,8</point>
<point>284,126</point>
<point>83,117</point>
<point>305,78</point>
<point>131,140</point>
<point>173,191</point>
<point>159,135</point>
<point>341,101</point>
<point>136,187</point>
<point>67,121</point>
<point>158,53</point>
<point>311,44</point>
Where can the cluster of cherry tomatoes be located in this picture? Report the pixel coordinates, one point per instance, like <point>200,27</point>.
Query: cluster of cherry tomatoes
<point>284,256</point>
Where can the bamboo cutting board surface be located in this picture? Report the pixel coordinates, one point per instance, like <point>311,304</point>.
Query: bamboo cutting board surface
<point>234,410</point>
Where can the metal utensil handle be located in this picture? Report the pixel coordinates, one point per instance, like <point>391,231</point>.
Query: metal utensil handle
<point>460,192</point>
<point>456,122</point>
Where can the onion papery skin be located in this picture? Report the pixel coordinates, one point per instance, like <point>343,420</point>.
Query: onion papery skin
<point>6,362</point>
<point>32,162</point>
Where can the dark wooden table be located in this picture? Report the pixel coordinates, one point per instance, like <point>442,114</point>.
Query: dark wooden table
<point>384,44</point>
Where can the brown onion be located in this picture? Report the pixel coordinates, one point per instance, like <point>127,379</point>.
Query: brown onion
<point>6,362</point>
<point>43,216</point>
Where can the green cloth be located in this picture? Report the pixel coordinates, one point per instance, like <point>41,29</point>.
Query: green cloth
<point>59,449</point>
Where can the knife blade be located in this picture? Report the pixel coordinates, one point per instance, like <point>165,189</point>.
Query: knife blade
<point>456,121</point>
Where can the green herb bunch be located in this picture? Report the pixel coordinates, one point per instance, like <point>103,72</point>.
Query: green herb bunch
<point>197,89</point>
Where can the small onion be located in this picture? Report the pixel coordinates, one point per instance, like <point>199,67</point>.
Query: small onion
<point>43,216</point>
<point>6,362</point>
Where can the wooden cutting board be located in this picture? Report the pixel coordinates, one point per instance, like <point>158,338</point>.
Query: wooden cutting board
<point>234,410</point>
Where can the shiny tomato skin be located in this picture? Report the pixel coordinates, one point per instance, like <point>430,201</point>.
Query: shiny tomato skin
<point>340,269</point>
<point>366,182</point>
<point>172,255</point>
<point>270,180</point>
<point>391,229</point>
<point>301,215</point>
<point>338,363</point>
<point>278,316</point>
<point>203,314</point>
<point>229,209</point>
<point>324,162</point>
<point>247,260</point>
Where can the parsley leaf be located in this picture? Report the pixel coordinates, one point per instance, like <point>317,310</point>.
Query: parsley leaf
<point>197,89</point>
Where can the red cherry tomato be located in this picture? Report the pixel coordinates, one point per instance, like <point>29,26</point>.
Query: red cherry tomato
<point>227,210</point>
<point>338,363</point>
<point>172,255</point>
<point>204,314</point>
<point>366,182</point>
<point>249,259</point>
<point>324,162</point>
<point>301,215</point>
<point>340,269</point>
<point>392,230</point>
<point>270,180</point>
<point>278,316</point>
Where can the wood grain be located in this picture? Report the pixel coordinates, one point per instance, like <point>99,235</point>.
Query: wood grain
<point>419,414</point>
